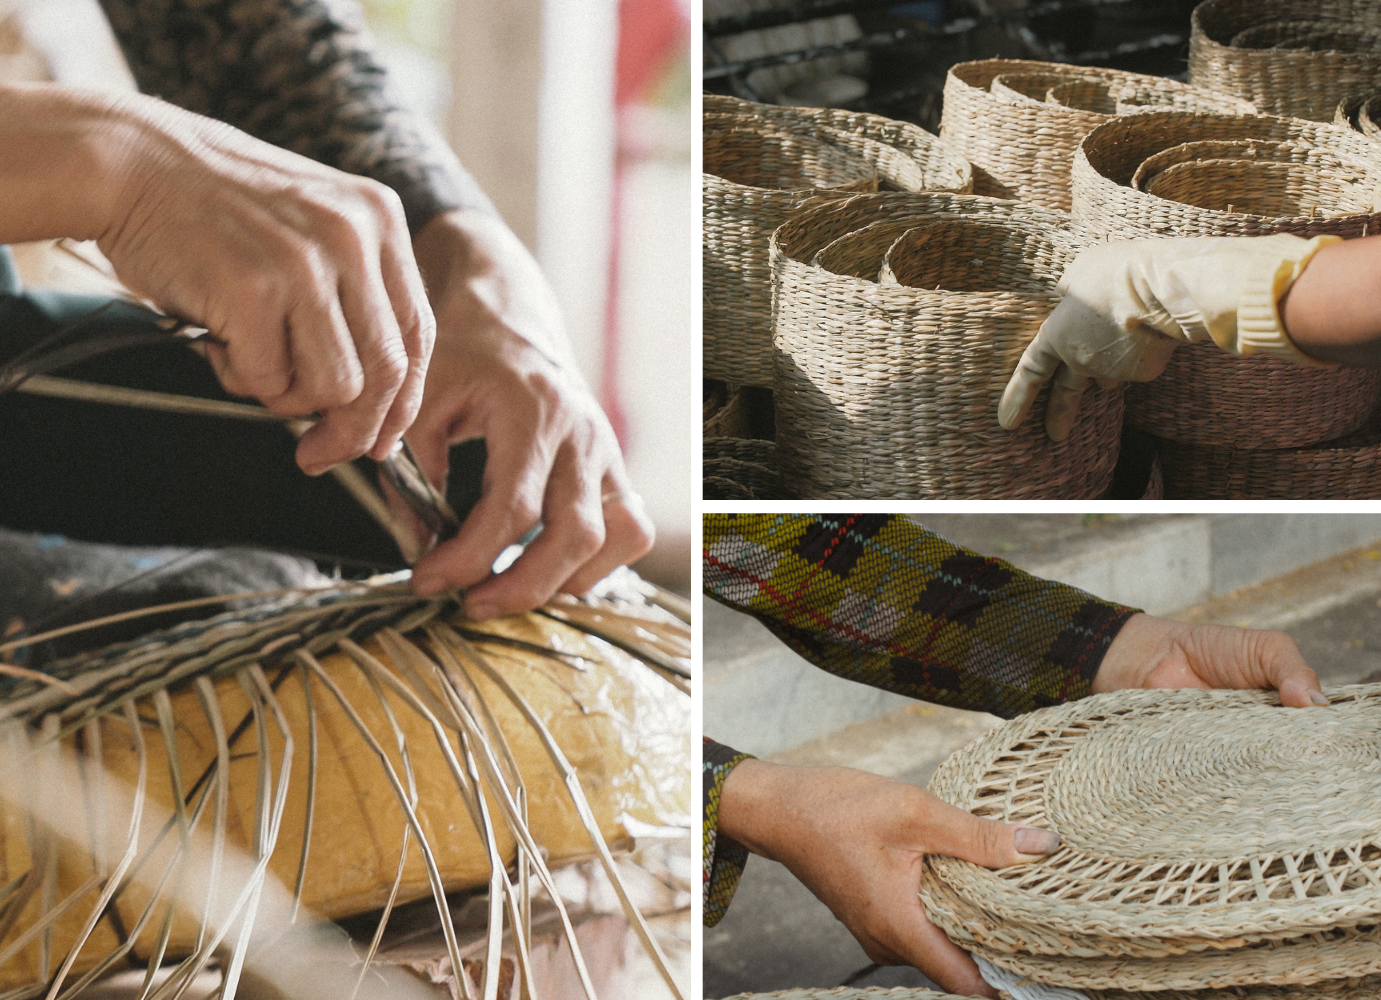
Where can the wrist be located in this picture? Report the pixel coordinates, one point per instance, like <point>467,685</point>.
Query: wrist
<point>750,804</point>
<point>1139,646</point>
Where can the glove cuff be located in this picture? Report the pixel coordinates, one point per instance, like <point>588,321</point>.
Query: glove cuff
<point>1259,330</point>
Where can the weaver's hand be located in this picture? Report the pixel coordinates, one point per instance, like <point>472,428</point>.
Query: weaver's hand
<point>856,840</point>
<point>304,273</point>
<point>1158,653</point>
<point>1127,305</point>
<point>501,372</point>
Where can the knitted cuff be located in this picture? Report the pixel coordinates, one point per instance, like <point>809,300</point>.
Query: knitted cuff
<point>1259,330</point>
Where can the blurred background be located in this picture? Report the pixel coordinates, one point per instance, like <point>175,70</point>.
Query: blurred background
<point>574,115</point>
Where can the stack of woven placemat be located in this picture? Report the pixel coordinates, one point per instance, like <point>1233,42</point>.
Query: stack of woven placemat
<point>1210,841</point>
<point>1232,427</point>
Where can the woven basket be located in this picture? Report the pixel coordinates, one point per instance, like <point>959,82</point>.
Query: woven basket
<point>743,201</point>
<point>1361,113</point>
<point>1346,468</point>
<point>741,469</point>
<point>848,993</point>
<point>1192,823</point>
<point>1019,122</point>
<point>1206,395</point>
<point>885,390</point>
<point>1364,989</point>
<point>1307,36</point>
<point>1284,81</point>
<point>1258,188</point>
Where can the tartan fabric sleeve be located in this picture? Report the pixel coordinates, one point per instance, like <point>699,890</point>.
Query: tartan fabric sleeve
<point>723,859</point>
<point>876,598</point>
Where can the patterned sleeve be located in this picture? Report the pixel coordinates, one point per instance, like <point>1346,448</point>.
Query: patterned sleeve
<point>724,859</point>
<point>299,74</point>
<point>876,598</point>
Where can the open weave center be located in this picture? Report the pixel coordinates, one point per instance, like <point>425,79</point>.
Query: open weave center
<point>1212,786</point>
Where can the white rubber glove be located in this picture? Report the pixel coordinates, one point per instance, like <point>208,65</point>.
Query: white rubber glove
<point>1127,305</point>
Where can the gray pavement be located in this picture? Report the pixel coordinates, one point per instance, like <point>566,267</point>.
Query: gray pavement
<point>776,935</point>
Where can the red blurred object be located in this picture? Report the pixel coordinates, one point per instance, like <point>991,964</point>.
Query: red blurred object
<point>653,34</point>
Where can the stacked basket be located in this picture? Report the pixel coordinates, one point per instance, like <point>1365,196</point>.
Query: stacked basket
<point>1288,57</point>
<point>899,319</point>
<point>762,164</point>
<point>1210,841</point>
<point>1019,122</point>
<point>1242,427</point>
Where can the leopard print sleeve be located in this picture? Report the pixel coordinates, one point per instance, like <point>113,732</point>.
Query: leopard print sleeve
<point>299,74</point>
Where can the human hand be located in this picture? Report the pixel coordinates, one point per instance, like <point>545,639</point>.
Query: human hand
<point>1154,652</point>
<point>304,274</point>
<point>857,841</point>
<point>1128,304</point>
<point>501,371</point>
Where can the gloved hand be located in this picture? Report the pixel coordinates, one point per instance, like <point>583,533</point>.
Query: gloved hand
<point>1128,304</point>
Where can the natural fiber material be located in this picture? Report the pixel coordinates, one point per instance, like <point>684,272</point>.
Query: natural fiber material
<point>1366,988</point>
<point>1019,122</point>
<point>742,469</point>
<point>762,163</point>
<point>1206,395</point>
<point>1192,823</point>
<point>1336,57</point>
<point>885,390</point>
<point>848,993</point>
<point>1361,113</point>
<point>1345,468</point>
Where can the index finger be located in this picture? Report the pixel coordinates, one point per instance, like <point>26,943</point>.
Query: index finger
<point>1035,368</point>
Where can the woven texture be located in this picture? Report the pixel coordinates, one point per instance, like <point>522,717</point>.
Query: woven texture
<point>847,993</point>
<point>741,469</point>
<point>890,390</point>
<point>1363,989</point>
<point>1205,395</point>
<point>1347,468</point>
<point>1197,824</point>
<point>1261,51</point>
<point>1360,112</point>
<point>1019,122</point>
<point>762,163</point>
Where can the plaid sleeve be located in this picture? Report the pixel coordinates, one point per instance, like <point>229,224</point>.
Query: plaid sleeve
<point>724,859</point>
<point>876,598</point>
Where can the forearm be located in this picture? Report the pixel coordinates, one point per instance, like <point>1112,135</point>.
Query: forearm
<point>61,157</point>
<point>301,75</point>
<point>1333,310</point>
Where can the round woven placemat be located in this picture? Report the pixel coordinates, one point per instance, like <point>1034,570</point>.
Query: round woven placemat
<point>1019,122</point>
<point>1367,988</point>
<point>1284,81</point>
<point>1347,468</point>
<point>1204,815</point>
<point>889,391</point>
<point>762,163</point>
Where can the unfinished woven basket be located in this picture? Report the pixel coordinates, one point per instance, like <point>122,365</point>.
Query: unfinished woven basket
<point>1019,122</point>
<point>1205,395</point>
<point>762,163</point>
<point>741,469</point>
<point>1346,468</point>
<point>1237,47</point>
<point>1361,113</point>
<point>1192,823</point>
<point>890,390</point>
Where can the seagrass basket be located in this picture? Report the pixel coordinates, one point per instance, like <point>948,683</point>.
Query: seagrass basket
<point>1218,827</point>
<point>890,390</point>
<point>741,469</point>
<point>848,993</point>
<point>1019,122</point>
<point>1248,48</point>
<point>1361,113</point>
<point>1205,395</point>
<point>752,185</point>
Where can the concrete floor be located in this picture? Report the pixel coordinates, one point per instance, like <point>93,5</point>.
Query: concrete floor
<point>776,935</point>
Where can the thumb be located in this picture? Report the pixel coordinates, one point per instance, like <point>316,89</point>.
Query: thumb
<point>1287,672</point>
<point>959,834</point>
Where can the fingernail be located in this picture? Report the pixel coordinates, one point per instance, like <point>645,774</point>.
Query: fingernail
<point>315,470</point>
<point>1318,697</point>
<point>480,612</point>
<point>1030,840</point>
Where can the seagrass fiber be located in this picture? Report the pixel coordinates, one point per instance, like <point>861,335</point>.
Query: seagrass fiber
<point>899,319</point>
<point>1239,836</point>
<point>848,993</point>
<point>1166,173</point>
<point>1288,57</point>
<point>762,163</point>
<point>1019,122</point>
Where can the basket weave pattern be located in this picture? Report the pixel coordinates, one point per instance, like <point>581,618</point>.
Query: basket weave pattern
<point>1227,52</point>
<point>1196,824</point>
<point>885,390</point>
<point>1207,396</point>
<point>1019,122</point>
<point>752,185</point>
